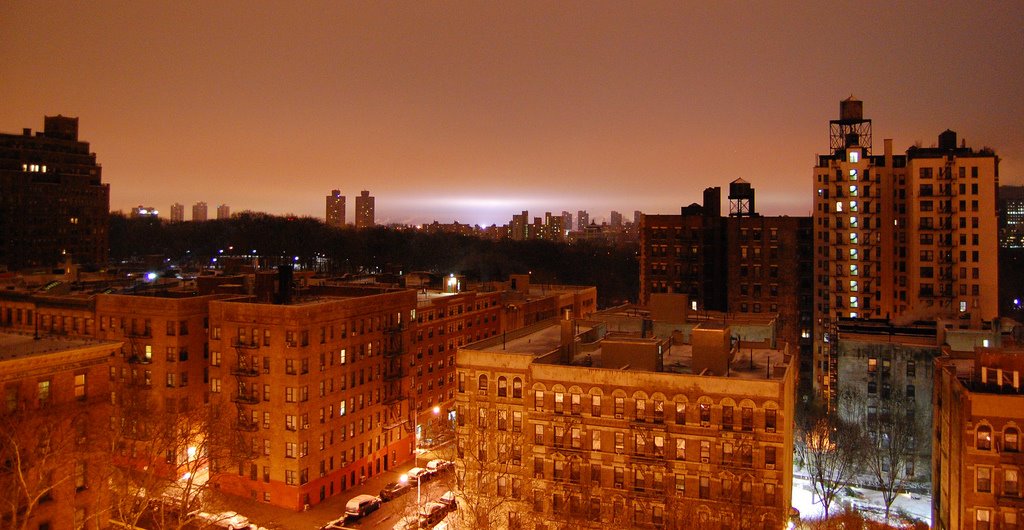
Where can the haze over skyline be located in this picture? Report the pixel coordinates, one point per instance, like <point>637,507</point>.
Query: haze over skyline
<point>475,111</point>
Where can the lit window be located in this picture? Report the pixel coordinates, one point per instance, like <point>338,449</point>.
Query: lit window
<point>853,301</point>
<point>853,253</point>
<point>853,221</point>
<point>853,191</point>
<point>839,206</point>
<point>853,206</point>
<point>853,286</point>
<point>854,158</point>
<point>853,238</point>
<point>853,270</point>
<point>963,306</point>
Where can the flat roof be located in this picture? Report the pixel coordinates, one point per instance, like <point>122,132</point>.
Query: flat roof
<point>19,346</point>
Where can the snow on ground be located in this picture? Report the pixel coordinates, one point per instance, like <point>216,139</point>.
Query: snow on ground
<point>867,501</point>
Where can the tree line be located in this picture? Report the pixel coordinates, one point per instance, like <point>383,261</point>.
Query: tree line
<point>273,239</point>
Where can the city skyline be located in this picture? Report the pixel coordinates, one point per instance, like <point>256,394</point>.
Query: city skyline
<point>472,114</point>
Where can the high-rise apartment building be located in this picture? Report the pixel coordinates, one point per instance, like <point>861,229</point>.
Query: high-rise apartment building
<point>223,212</point>
<point>909,236</point>
<point>335,214</point>
<point>566,221</point>
<point>976,457</point>
<point>53,203</point>
<point>199,211</point>
<point>630,430</point>
<point>582,220</point>
<point>177,213</point>
<point>364,210</point>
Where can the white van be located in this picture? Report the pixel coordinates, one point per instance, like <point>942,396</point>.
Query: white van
<point>360,505</point>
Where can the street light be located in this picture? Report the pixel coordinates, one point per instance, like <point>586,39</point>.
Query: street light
<point>404,479</point>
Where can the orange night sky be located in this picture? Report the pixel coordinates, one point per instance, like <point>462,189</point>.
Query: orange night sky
<point>473,111</point>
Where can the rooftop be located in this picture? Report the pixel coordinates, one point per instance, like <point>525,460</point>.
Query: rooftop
<point>19,346</point>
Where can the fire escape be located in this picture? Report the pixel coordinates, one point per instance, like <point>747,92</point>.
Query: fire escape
<point>394,378</point>
<point>245,370</point>
<point>648,464</point>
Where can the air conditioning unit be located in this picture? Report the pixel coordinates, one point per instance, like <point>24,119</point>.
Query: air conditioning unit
<point>769,466</point>
<point>618,416</point>
<point>305,425</point>
<point>704,460</point>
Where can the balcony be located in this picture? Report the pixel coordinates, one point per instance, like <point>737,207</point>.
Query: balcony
<point>244,371</point>
<point>248,400</point>
<point>140,359</point>
<point>394,375</point>
<point>246,345</point>
<point>393,398</point>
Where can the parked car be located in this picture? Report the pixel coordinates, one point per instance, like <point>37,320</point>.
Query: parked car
<point>448,500</point>
<point>421,473</point>
<point>228,520</point>
<point>393,490</point>
<point>431,513</point>
<point>409,522</point>
<point>361,505</point>
<point>336,524</point>
<point>438,465</point>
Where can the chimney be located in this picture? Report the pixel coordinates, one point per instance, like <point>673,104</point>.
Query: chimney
<point>567,341</point>
<point>284,279</point>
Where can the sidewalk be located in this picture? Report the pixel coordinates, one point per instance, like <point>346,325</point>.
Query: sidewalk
<point>274,517</point>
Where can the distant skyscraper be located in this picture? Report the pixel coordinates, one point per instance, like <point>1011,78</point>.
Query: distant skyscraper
<point>566,220</point>
<point>199,211</point>
<point>223,212</point>
<point>1011,216</point>
<point>53,204</point>
<point>616,219</point>
<point>519,228</point>
<point>364,210</point>
<point>582,219</point>
<point>636,217</point>
<point>177,213</point>
<point>335,209</point>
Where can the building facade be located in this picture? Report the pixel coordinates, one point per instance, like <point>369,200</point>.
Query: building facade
<point>53,202</point>
<point>55,417</point>
<point>223,211</point>
<point>568,424</point>
<point>941,201</point>
<point>335,214</point>
<point>977,461</point>
<point>319,387</point>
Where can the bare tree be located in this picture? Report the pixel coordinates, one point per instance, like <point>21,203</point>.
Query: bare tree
<point>891,428</point>
<point>163,458</point>
<point>829,450</point>
<point>47,453</point>
<point>489,476</point>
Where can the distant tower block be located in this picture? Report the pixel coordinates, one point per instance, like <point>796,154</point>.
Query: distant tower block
<point>741,199</point>
<point>851,129</point>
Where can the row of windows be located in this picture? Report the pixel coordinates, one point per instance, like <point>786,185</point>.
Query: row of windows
<point>1010,439</point>
<point>43,393</point>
